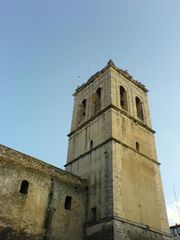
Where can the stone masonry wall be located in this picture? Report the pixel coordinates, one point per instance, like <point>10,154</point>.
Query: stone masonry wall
<point>39,214</point>
<point>96,167</point>
<point>129,231</point>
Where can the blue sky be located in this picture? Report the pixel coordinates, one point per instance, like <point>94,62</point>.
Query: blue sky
<point>47,48</point>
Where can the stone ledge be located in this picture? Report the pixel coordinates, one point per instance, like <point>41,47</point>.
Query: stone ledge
<point>106,141</point>
<point>111,106</point>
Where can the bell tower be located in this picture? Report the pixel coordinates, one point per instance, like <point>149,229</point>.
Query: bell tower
<point>111,144</point>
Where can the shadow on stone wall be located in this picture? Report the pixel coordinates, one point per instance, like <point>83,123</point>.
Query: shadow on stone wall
<point>10,234</point>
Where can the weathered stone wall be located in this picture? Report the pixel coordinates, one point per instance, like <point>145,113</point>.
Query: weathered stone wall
<point>96,167</point>
<point>138,194</point>
<point>119,229</point>
<point>128,133</point>
<point>137,189</point>
<point>79,142</point>
<point>39,214</point>
<point>131,231</point>
<point>130,169</point>
<point>101,230</point>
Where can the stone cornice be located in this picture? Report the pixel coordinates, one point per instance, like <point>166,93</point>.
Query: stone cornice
<point>109,140</point>
<point>111,106</point>
<point>99,73</point>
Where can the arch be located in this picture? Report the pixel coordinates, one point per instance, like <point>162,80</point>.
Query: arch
<point>68,203</point>
<point>139,109</point>
<point>81,113</point>
<point>123,98</point>
<point>24,187</point>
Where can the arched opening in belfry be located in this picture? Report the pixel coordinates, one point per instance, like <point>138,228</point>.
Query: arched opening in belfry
<point>81,113</point>
<point>139,109</point>
<point>24,187</point>
<point>97,101</point>
<point>123,98</point>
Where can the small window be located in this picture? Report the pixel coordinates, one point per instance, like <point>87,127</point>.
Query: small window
<point>93,214</point>
<point>123,98</point>
<point>137,147</point>
<point>84,107</point>
<point>91,145</point>
<point>139,109</point>
<point>97,101</point>
<point>68,203</point>
<point>24,187</point>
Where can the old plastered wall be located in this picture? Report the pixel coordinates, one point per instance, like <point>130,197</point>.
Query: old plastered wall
<point>39,214</point>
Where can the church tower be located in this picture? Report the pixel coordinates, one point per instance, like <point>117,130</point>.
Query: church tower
<point>111,144</point>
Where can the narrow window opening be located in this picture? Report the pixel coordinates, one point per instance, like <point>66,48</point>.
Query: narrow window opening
<point>98,91</point>
<point>139,109</point>
<point>91,145</point>
<point>93,214</point>
<point>81,113</point>
<point>137,147</point>
<point>84,107</point>
<point>68,203</point>
<point>24,187</point>
<point>123,98</point>
<point>97,101</point>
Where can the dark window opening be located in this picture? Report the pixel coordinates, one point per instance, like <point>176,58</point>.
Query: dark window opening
<point>123,98</point>
<point>93,214</point>
<point>68,203</point>
<point>137,147</point>
<point>97,101</point>
<point>81,113</point>
<point>98,92</point>
<point>139,109</point>
<point>84,107</point>
<point>24,187</point>
<point>91,145</point>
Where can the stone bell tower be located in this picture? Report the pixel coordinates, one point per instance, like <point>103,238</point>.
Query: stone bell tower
<point>111,144</point>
